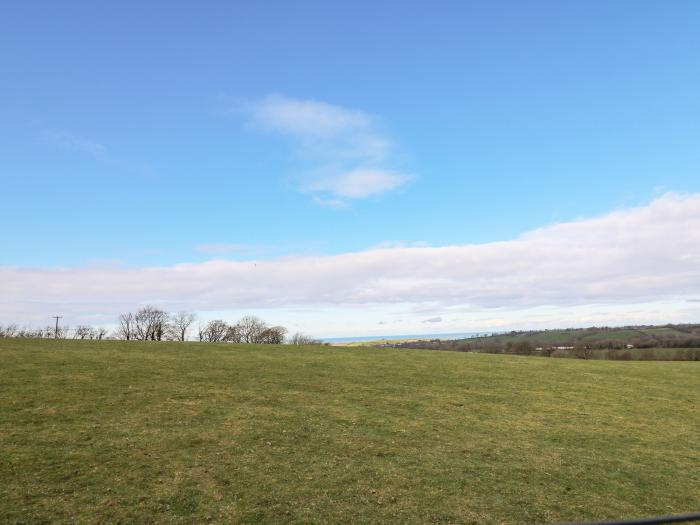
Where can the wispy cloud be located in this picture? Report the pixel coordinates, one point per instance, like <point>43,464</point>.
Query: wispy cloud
<point>74,143</point>
<point>433,320</point>
<point>308,118</point>
<point>347,154</point>
<point>79,145</point>
<point>358,183</point>
<point>330,202</point>
<point>648,253</point>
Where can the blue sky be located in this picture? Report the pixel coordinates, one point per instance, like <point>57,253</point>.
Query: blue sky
<point>137,135</point>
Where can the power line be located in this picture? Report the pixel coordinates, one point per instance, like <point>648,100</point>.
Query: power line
<point>57,317</point>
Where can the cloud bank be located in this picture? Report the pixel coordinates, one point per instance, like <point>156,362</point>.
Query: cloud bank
<point>648,253</point>
<point>348,157</point>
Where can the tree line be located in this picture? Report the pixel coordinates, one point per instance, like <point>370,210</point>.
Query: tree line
<point>151,323</point>
<point>51,332</point>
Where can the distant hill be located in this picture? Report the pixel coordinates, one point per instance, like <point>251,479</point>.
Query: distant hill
<point>644,335</point>
<point>580,342</point>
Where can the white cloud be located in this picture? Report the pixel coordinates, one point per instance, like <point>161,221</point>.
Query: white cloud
<point>359,183</point>
<point>433,320</point>
<point>307,117</point>
<point>644,254</point>
<point>346,155</point>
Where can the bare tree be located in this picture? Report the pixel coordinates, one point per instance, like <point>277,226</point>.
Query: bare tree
<point>251,328</point>
<point>215,331</point>
<point>100,332</point>
<point>180,323</point>
<point>233,334</point>
<point>83,332</point>
<point>9,331</point>
<point>300,338</point>
<point>150,324</point>
<point>62,332</point>
<point>273,335</point>
<point>125,330</point>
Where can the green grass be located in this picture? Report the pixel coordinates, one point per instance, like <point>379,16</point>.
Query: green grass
<point>112,432</point>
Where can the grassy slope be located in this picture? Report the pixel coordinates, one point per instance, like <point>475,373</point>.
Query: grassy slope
<point>171,433</point>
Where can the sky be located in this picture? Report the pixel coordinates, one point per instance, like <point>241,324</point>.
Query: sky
<point>352,168</point>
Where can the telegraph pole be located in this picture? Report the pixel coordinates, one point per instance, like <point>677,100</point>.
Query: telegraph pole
<point>57,317</point>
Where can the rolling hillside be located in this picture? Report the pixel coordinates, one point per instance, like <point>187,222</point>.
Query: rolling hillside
<point>663,342</point>
<point>103,431</point>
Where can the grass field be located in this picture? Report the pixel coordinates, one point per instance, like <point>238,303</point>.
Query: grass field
<point>114,432</point>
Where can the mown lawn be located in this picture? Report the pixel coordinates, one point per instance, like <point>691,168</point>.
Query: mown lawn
<point>116,432</point>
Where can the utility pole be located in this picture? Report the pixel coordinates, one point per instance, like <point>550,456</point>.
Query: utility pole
<point>57,317</point>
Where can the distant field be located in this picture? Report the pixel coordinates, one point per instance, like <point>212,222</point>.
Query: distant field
<point>376,342</point>
<point>591,335</point>
<point>663,342</point>
<point>119,432</point>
